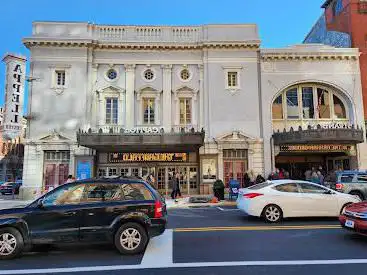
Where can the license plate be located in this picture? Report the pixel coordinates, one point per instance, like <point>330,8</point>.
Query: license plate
<point>349,223</point>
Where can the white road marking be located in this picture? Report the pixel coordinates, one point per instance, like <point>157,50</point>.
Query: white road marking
<point>183,265</point>
<point>159,250</point>
<point>230,209</point>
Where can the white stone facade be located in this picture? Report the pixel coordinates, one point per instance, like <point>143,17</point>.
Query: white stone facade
<point>230,85</point>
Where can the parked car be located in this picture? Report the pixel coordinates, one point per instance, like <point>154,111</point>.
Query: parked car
<point>7,188</point>
<point>123,211</point>
<point>354,218</point>
<point>352,182</point>
<point>278,199</point>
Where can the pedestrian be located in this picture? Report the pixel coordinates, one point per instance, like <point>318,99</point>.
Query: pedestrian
<point>323,172</point>
<point>308,175</point>
<point>259,179</point>
<point>321,177</point>
<point>252,177</point>
<point>315,178</point>
<point>281,174</point>
<point>175,187</point>
<point>70,179</point>
<point>286,174</point>
<point>246,180</point>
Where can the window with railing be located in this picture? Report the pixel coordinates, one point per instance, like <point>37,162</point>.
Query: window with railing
<point>149,110</point>
<point>185,111</point>
<point>111,110</point>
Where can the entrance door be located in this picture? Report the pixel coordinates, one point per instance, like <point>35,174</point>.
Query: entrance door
<point>234,169</point>
<point>235,165</point>
<point>161,180</point>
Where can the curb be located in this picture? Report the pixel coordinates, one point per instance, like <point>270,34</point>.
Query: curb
<point>200,205</point>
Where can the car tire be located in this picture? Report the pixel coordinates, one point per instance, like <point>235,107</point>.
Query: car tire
<point>15,243</point>
<point>357,193</point>
<point>272,213</point>
<point>131,238</point>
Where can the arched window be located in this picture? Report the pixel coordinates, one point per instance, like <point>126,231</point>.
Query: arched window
<point>308,102</point>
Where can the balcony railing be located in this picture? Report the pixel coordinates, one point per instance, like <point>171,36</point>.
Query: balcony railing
<point>153,129</point>
<point>148,34</point>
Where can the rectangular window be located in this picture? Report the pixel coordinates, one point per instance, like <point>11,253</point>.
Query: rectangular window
<point>232,79</point>
<point>149,110</point>
<point>292,104</point>
<point>111,110</point>
<point>60,78</point>
<point>307,102</point>
<point>185,111</point>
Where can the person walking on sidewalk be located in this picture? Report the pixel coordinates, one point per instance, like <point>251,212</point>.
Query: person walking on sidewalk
<point>175,187</point>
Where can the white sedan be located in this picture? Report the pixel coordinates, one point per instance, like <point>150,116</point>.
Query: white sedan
<point>277,199</point>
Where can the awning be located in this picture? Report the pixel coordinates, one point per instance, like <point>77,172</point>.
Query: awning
<point>320,135</point>
<point>121,142</point>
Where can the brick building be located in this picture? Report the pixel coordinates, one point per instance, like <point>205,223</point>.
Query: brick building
<point>343,24</point>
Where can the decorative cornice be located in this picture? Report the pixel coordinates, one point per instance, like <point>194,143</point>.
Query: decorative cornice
<point>29,43</point>
<point>307,57</point>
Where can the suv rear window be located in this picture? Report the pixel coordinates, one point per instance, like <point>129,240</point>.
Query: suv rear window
<point>260,185</point>
<point>136,192</point>
<point>346,178</point>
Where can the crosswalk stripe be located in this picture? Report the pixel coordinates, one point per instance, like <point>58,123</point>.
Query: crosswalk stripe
<point>162,246</point>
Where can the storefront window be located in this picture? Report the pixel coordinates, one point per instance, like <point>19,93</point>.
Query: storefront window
<point>292,104</point>
<point>149,109</point>
<point>209,169</point>
<point>307,102</point>
<point>323,103</point>
<point>278,108</point>
<point>339,109</point>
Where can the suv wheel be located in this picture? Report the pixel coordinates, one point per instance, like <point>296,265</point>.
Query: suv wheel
<point>357,193</point>
<point>131,238</point>
<point>11,243</point>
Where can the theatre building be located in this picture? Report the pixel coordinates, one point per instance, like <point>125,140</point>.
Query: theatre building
<point>203,102</point>
<point>316,109</point>
<point>139,100</point>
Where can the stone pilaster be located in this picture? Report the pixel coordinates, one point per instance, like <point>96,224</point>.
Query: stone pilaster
<point>130,95</point>
<point>167,95</point>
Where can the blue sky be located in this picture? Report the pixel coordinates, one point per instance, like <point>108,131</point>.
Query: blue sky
<point>281,23</point>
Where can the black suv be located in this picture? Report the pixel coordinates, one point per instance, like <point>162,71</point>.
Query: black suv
<point>123,211</point>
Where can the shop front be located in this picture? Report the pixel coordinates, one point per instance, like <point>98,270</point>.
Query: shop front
<point>140,154</point>
<point>302,150</point>
<point>162,166</point>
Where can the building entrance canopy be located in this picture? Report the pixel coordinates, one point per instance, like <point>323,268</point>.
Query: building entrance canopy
<point>320,135</point>
<point>141,142</point>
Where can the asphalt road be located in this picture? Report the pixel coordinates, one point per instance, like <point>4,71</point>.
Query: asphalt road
<point>216,241</point>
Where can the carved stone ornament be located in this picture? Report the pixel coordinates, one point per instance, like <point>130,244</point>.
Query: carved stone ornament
<point>59,91</point>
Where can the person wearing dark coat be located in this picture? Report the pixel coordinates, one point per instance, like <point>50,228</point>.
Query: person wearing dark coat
<point>246,181</point>
<point>175,187</point>
<point>259,179</point>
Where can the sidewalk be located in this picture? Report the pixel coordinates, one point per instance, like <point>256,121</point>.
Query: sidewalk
<point>185,203</point>
<point>171,204</point>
